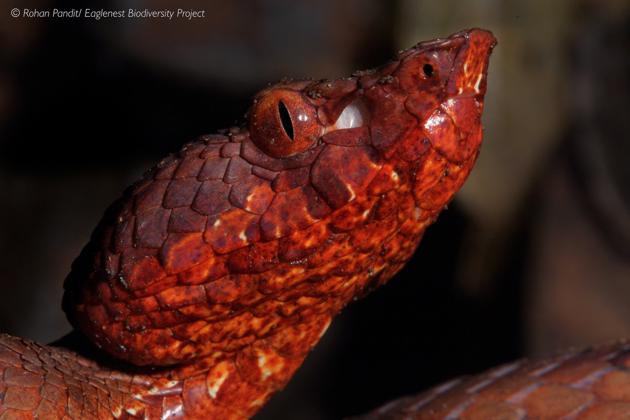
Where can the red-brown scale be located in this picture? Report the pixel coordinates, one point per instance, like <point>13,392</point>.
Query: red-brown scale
<point>213,276</point>
<point>590,384</point>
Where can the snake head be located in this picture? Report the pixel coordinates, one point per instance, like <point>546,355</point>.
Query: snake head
<point>429,99</point>
<point>255,237</point>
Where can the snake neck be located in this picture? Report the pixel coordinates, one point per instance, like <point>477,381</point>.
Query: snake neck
<point>224,345</point>
<point>227,358</point>
<point>213,386</point>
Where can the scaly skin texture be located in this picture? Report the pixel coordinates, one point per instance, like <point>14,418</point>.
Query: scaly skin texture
<point>211,279</point>
<point>591,384</point>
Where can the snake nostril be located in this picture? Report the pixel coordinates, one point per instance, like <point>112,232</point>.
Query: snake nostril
<point>427,69</point>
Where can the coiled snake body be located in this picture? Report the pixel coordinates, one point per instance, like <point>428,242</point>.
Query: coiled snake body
<point>210,280</point>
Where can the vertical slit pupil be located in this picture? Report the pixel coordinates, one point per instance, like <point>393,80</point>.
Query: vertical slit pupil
<point>285,118</point>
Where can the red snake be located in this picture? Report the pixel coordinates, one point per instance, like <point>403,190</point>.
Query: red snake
<point>205,286</point>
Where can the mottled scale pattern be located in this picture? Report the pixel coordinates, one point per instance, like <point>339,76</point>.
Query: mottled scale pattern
<point>34,378</point>
<point>588,384</point>
<point>211,278</point>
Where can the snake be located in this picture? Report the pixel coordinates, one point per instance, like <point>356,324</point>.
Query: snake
<point>208,282</point>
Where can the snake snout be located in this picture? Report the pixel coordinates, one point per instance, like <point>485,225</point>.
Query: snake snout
<point>470,68</point>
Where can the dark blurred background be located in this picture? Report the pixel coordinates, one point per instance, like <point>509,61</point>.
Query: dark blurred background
<point>533,256</point>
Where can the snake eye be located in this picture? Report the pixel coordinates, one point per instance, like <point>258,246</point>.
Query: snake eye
<point>283,123</point>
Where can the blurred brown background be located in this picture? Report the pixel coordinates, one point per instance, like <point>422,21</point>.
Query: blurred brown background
<point>533,255</point>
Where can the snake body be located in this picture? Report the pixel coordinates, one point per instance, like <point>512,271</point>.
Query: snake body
<point>588,384</point>
<point>207,283</point>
